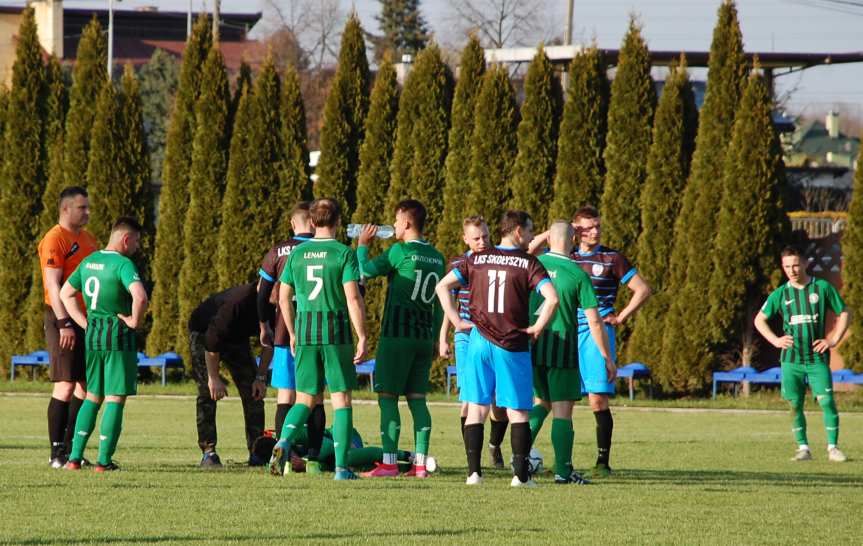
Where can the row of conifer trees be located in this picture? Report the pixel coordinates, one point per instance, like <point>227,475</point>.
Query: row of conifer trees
<point>696,201</point>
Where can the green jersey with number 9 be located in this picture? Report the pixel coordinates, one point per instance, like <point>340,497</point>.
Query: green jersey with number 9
<point>413,269</point>
<point>317,270</point>
<point>104,278</point>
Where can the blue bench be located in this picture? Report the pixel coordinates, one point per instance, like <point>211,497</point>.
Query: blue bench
<point>736,376</point>
<point>163,361</point>
<point>34,359</point>
<point>368,368</point>
<point>450,373</point>
<point>771,376</point>
<point>847,376</point>
<point>633,371</point>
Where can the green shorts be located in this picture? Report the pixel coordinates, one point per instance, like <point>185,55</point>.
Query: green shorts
<point>112,373</point>
<point>403,365</point>
<point>333,363</point>
<point>794,377</point>
<point>556,384</point>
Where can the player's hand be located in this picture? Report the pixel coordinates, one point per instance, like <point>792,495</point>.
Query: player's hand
<point>266,335</point>
<point>784,342</point>
<point>610,370</point>
<point>463,326</point>
<point>612,319</point>
<point>443,348</point>
<point>259,389</point>
<point>361,351</point>
<point>292,341</point>
<point>67,338</point>
<point>217,388</point>
<point>367,234</point>
<point>821,346</point>
<point>533,331</point>
<point>128,321</point>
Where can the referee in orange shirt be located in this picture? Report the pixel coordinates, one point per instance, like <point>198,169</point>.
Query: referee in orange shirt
<point>60,252</point>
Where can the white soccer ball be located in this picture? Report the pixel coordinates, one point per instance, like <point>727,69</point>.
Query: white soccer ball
<point>534,461</point>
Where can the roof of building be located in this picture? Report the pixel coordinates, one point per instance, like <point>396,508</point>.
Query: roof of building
<point>813,140</point>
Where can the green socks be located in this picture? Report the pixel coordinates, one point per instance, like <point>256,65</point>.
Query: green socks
<point>831,419</point>
<point>84,425</point>
<point>390,423</point>
<point>798,426</point>
<point>422,424</point>
<point>343,424</point>
<point>109,431</point>
<point>561,439</point>
<point>535,418</point>
<point>294,421</point>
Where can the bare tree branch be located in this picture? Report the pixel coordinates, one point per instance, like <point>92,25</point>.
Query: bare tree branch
<point>501,23</point>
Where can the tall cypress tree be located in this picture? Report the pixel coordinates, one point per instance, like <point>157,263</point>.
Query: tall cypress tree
<point>685,348</point>
<point>344,115</point>
<point>136,167</point>
<point>470,71</point>
<point>296,183</point>
<point>580,168</point>
<point>251,211</point>
<point>403,26</point>
<point>56,104</point>
<point>376,152</point>
<point>109,194</point>
<point>533,174</point>
<point>403,153</point>
<point>22,183</point>
<point>667,169</point>
<point>751,217</point>
<point>495,145</point>
<point>433,101</point>
<point>174,196</point>
<point>88,78</point>
<point>630,119</point>
<point>244,80</point>
<point>198,275</point>
<point>158,82</point>
<point>852,274</point>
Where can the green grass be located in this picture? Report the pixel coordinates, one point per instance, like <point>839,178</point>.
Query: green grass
<point>683,477</point>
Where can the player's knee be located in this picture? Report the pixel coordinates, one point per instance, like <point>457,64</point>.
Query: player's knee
<point>826,401</point>
<point>116,399</point>
<point>94,398</point>
<point>63,390</point>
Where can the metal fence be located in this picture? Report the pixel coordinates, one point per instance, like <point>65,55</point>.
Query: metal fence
<point>818,228</point>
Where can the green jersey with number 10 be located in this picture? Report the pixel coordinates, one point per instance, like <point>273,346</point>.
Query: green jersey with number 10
<point>318,270</point>
<point>413,269</point>
<point>104,278</point>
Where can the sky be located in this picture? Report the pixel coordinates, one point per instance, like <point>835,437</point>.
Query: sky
<point>768,26</point>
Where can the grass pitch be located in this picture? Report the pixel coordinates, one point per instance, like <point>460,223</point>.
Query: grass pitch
<point>682,477</point>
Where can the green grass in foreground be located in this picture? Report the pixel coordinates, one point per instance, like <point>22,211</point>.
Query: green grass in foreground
<point>682,477</point>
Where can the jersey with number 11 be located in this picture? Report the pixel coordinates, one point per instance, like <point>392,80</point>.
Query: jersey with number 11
<point>318,270</point>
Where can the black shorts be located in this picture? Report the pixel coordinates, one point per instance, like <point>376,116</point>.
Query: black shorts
<point>66,365</point>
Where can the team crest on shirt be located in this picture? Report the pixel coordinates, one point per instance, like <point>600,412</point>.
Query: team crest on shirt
<point>813,298</point>
<point>597,269</point>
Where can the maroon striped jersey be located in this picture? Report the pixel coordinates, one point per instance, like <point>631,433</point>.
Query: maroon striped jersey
<point>500,281</point>
<point>271,269</point>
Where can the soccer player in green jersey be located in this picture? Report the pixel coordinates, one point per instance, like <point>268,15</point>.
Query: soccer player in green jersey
<point>556,376</point>
<point>802,302</point>
<point>324,275</point>
<point>116,304</point>
<point>412,317</point>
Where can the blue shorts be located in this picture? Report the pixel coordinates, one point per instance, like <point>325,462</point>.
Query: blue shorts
<point>284,370</point>
<point>594,376</point>
<point>493,371</point>
<point>461,340</point>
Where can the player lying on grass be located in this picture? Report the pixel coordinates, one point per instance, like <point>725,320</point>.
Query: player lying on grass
<point>116,303</point>
<point>802,303</point>
<point>475,235</point>
<point>500,279</point>
<point>407,343</point>
<point>556,377</point>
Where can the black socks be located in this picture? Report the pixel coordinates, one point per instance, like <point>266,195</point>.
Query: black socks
<point>316,424</point>
<point>281,412</point>
<point>473,436</point>
<point>58,421</point>
<point>604,427</point>
<point>498,430</point>
<point>520,440</point>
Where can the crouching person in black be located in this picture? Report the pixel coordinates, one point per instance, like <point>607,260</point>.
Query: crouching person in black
<point>219,331</point>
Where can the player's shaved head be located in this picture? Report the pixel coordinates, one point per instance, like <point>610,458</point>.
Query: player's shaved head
<point>415,210</point>
<point>560,236</point>
<point>325,212</point>
<point>300,212</point>
<point>69,193</point>
<point>125,235</point>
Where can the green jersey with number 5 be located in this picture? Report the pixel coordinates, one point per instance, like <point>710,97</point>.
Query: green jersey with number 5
<point>318,270</point>
<point>413,269</point>
<point>104,278</point>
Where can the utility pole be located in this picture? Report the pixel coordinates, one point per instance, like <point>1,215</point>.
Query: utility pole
<point>216,9</point>
<point>110,37</point>
<point>189,21</point>
<point>567,40</point>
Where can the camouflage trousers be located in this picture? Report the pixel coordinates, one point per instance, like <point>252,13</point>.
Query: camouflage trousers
<point>241,365</point>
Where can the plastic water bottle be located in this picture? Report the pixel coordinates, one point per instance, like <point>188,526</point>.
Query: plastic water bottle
<point>384,231</point>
